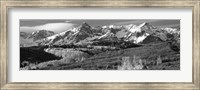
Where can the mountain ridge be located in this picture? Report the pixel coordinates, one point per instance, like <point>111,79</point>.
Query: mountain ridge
<point>86,33</point>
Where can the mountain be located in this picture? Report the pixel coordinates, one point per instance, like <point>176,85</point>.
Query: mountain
<point>166,34</point>
<point>84,33</point>
<point>151,39</point>
<point>23,38</point>
<point>137,33</point>
<point>27,39</point>
<point>73,35</point>
<point>171,30</point>
<point>131,32</point>
<point>41,34</point>
<point>24,35</point>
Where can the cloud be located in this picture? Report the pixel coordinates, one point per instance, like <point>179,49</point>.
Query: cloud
<point>56,27</point>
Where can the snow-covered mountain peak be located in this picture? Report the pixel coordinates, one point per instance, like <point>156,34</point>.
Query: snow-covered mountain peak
<point>138,28</point>
<point>81,33</point>
<point>56,35</point>
<point>108,26</point>
<point>85,25</point>
<point>134,29</point>
<point>107,35</point>
<point>171,30</point>
<point>111,26</point>
<point>144,24</point>
<point>41,34</point>
<point>104,27</point>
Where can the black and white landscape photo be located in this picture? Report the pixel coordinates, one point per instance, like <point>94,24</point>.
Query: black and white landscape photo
<point>99,44</point>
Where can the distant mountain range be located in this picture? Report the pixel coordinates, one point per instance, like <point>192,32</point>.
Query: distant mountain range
<point>85,34</point>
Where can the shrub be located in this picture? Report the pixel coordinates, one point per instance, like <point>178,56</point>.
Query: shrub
<point>126,64</point>
<point>159,60</point>
<point>129,63</point>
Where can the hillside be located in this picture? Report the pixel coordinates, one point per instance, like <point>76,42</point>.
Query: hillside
<point>112,59</point>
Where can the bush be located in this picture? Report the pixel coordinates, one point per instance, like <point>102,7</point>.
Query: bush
<point>159,60</point>
<point>129,63</point>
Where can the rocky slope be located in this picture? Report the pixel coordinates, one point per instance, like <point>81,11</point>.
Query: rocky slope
<point>41,34</point>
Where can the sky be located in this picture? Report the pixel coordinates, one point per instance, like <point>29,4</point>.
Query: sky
<point>60,25</point>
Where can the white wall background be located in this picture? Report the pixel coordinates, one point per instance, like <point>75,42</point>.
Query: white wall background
<point>183,75</point>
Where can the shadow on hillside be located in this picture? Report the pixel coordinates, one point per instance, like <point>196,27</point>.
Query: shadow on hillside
<point>35,55</point>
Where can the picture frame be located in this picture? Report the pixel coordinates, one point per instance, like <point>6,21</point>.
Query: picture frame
<point>4,45</point>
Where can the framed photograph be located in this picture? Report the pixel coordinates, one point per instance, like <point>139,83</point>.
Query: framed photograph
<point>99,44</point>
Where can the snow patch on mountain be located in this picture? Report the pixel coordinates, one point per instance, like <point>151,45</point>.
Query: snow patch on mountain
<point>141,38</point>
<point>134,28</point>
<point>40,34</point>
<point>107,35</point>
<point>171,30</point>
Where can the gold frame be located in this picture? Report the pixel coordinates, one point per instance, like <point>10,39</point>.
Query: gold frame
<point>6,4</point>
